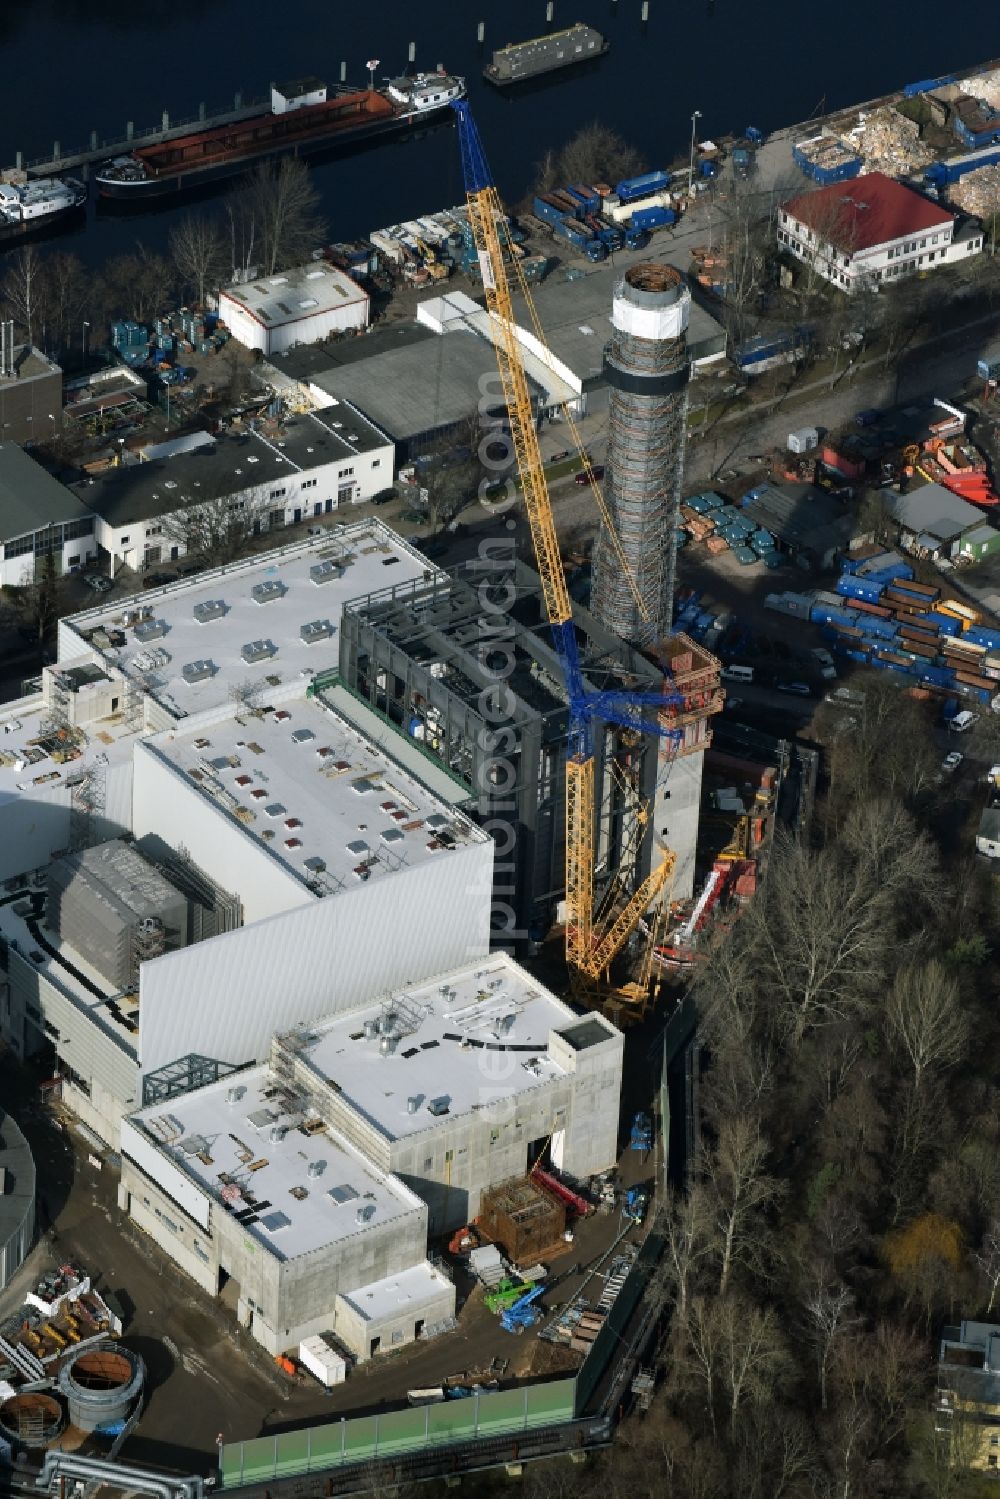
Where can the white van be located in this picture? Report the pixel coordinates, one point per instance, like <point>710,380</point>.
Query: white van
<point>962,721</point>
<point>737,673</point>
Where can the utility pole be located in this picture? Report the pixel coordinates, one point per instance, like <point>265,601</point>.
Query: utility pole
<point>695,117</point>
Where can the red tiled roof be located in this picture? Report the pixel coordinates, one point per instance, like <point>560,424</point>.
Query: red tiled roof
<point>867,211</point>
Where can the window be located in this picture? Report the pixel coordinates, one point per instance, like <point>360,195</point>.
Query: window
<point>277,494</point>
<point>428,1162</point>
<point>995,1441</point>
<point>309,484</point>
<point>449,1155</point>
<point>344,473</point>
<point>154,530</point>
<point>124,541</point>
<point>991,1461</point>
<point>74,561</point>
<point>376,463</point>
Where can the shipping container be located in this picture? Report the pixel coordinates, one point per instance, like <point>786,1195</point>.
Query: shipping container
<point>980,635</point>
<point>653,218</point>
<point>918,590</point>
<point>632,188</point>
<point>879,610</point>
<point>316,1355</point>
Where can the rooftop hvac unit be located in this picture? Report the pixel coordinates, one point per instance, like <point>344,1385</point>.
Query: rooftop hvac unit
<point>258,650</point>
<point>505,1025</point>
<point>371,1029</point>
<point>439,1106</point>
<point>149,925</point>
<point>198,671</point>
<point>413,1104</point>
<point>365,1214</point>
<point>266,593</point>
<point>315,1168</point>
<point>325,572</point>
<point>316,629</point>
<point>136,615</point>
<point>151,629</point>
<point>387,1044</point>
<point>276,1133</point>
<point>209,609</point>
<point>233,1095</point>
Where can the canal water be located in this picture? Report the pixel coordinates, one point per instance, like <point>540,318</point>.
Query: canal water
<point>73,66</point>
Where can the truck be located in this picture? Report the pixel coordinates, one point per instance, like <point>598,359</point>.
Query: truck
<point>653,218</point>
<point>632,188</point>
<point>742,162</point>
<point>636,239</point>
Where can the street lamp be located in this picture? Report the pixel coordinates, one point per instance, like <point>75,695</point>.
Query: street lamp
<point>86,325</point>
<point>696,116</point>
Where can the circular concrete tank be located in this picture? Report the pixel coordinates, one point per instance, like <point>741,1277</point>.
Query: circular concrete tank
<point>101,1384</point>
<point>31,1420</point>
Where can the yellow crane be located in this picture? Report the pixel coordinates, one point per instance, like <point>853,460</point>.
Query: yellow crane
<point>592,941</point>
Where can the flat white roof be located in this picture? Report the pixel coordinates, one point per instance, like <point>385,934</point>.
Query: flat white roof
<point>67,971</point>
<point>444,1030</point>
<point>236,1139</point>
<point>304,291</point>
<point>325,799</point>
<point>411,1288</point>
<point>358,558</point>
<point>26,750</point>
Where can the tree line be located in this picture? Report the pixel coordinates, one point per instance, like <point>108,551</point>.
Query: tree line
<point>269,222</point>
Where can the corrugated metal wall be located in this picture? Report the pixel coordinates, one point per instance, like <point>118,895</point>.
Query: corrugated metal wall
<point>226,997</point>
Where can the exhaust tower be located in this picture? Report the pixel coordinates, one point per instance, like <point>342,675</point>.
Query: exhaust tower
<point>646,367</point>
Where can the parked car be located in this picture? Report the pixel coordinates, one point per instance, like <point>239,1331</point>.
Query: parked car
<point>963,721</point>
<point>800,689</point>
<point>158,580</point>
<point>868,418</point>
<point>384,497</point>
<point>98,582</point>
<point>825,661</point>
<point>951,762</point>
<point>584,476</point>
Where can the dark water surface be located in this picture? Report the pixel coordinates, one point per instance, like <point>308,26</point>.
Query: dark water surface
<point>72,66</point>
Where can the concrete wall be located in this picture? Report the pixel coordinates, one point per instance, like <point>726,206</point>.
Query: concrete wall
<point>226,997</point>
<point>40,1012</point>
<point>392,1329</point>
<point>677,813</point>
<point>281,1301</point>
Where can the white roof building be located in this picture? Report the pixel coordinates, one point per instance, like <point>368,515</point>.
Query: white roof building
<point>299,306</point>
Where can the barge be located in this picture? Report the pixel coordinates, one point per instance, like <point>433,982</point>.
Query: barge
<point>520,61</point>
<point>302,120</point>
<point>33,207</point>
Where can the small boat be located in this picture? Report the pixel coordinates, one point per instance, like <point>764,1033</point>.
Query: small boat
<point>30,207</point>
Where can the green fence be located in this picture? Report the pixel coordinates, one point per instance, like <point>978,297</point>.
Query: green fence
<point>363,1438</point>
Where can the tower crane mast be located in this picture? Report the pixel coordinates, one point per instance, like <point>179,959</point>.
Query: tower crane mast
<point>589,951</point>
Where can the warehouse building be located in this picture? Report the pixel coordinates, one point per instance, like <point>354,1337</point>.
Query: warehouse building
<point>268,1203</point>
<point>313,1182</point>
<point>147,511</point>
<point>934,522</point>
<point>464,665</point>
<point>42,523</point>
<point>300,306</point>
<point>17,1198</point>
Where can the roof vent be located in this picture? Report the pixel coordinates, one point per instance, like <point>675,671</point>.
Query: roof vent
<point>387,1044</point>
<point>439,1106</point>
<point>365,1214</point>
<point>276,1133</point>
<point>209,609</point>
<point>266,593</point>
<point>233,1095</point>
<point>371,1029</point>
<point>315,1168</point>
<point>413,1104</point>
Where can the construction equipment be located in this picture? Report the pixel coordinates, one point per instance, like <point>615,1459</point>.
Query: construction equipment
<point>642,1134</point>
<point>573,1202</point>
<point>507,1293</point>
<point>591,944</point>
<point>522,1313</point>
<point>635,1205</point>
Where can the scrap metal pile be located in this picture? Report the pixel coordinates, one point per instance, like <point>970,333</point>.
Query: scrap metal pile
<point>890,143</point>
<point>978,193</point>
<point>985,86</point>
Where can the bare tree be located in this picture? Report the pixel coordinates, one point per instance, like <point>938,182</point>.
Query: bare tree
<point>274,217</point>
<point>196,249</point>
<point>596,153</point>
<point>925,1018</point>
<point>220,528</point>
<point>987,1261</point>
<point>700,1353</point>
<point>687,1226</point>
<point>23,290</point>
<point>138,284</point>
<point>827,1317</point>
<point>752,1353</point>
<point>67,294</point>
<point>741,1192</point>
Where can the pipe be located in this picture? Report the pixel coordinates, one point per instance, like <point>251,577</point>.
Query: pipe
<point>117,1475</point>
